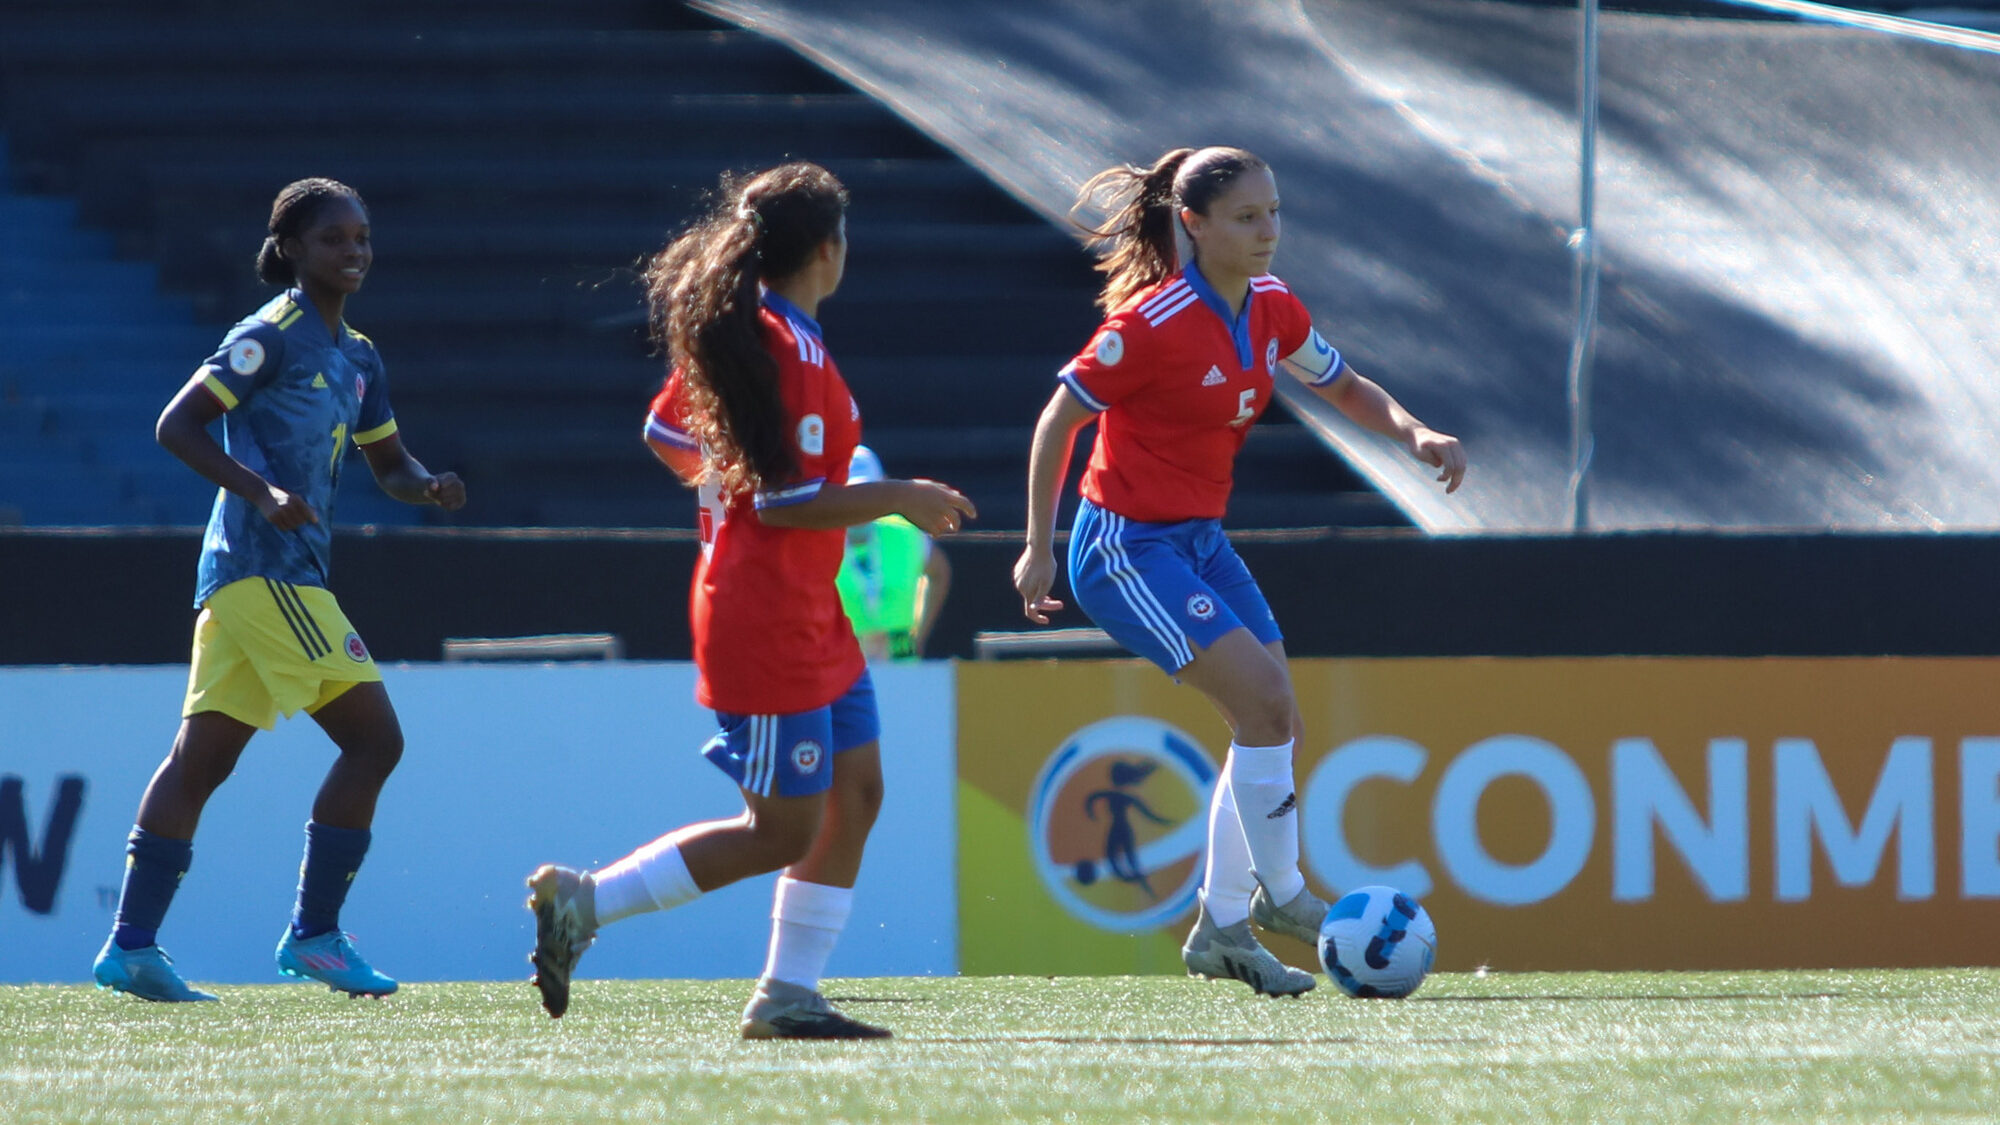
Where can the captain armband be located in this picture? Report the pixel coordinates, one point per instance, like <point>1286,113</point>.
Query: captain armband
<point>1318,360</point>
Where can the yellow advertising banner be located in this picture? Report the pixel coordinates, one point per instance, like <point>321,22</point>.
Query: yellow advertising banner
<point>1607,813</point>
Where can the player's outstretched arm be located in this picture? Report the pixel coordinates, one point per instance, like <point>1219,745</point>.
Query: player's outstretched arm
<point>1368,405</point>
<point>1048,465</point>
<point>404,477</point>
<point>937,509</point>
<point>183,431</point>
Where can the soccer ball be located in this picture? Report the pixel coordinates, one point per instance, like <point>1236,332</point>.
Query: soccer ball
<point>1377,942</point>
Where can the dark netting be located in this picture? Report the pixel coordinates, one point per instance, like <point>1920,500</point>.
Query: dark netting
<point>1799,225</point>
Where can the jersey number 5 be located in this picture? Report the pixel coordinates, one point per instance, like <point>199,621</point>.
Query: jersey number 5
<point>1245,406</point>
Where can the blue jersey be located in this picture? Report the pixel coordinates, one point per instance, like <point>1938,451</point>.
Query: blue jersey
<point>294,398</point>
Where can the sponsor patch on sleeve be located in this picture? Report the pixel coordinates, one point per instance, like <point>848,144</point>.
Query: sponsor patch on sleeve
<point>246,357</point>
<point>1110,347</point>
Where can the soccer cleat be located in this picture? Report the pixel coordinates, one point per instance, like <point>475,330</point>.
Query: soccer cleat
<point>1232,952</point>
<point>146,972</point>
<point>565,906</point>
<point>783,1010</point>
<point>331,959</point>
<point>1299,918</point>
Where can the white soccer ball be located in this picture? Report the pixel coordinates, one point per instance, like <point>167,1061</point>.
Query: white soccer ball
<point>1377,942</point>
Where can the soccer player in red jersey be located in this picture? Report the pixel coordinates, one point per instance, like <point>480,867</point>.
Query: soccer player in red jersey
<point>1181,367</point>
<point>756,416</point>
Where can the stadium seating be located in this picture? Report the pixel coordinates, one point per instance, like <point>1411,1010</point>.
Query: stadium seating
<point>92,352</point>
<point>519,159</point>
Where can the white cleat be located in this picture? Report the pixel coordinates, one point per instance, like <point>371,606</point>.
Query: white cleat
<point>783,1010</point>
<point>565,907</point>
<point>1231,952</point>
<point>1300,918</point>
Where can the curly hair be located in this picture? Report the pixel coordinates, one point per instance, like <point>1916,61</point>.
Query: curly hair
<point>702,290</point>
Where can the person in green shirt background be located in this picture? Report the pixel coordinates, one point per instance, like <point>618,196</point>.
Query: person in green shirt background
<point>893,578</point>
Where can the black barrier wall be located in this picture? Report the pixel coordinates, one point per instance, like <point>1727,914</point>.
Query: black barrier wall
<point>93,597</point>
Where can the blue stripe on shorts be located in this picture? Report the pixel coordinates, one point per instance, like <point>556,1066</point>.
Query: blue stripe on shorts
<point>1163,590</point>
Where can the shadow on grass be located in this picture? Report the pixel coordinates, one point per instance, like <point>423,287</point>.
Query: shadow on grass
<point>1177,1041</point>
<point>1524,997</point>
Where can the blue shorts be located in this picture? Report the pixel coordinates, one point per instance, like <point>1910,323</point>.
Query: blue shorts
<point>1163,590</point>
<point>786,755</point>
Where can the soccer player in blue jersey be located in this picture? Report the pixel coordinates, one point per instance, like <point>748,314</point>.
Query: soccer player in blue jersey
<point>293,385</point>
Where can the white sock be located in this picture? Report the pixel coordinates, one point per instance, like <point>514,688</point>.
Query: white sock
<point>806,920</point>
<point>1226,886</point>
<point>1260,778</point>
<point>652,878</point>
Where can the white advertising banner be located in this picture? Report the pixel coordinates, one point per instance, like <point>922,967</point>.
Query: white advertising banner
<point>506,767</point>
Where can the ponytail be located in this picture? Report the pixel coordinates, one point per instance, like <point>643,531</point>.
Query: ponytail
<point>703,291</point>
<point>1136,246</point>
<point>292,213</point>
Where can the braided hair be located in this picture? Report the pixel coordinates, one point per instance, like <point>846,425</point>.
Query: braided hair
<point>292,214</point>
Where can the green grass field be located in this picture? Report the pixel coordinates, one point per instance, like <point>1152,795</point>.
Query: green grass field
<point>1681,1047</point>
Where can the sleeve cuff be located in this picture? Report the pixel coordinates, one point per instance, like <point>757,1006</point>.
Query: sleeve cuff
<point>796,494</point>
<point>370,437</point>
<point>219,389</point>
<point>659,431</point>
<point>1069,379</point>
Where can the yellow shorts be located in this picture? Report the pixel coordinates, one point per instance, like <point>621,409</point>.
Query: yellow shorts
<point>262,647</point>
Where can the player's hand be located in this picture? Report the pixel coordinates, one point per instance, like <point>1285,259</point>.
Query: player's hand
<point>937,509</point>
<point>1442,452</point>
<point>1034,576</point>
<point>285,511</point>
<point>446,491</point>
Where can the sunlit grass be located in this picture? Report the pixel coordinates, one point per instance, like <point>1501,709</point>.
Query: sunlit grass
<point>1877,1046</point>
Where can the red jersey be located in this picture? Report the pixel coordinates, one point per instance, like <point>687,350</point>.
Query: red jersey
<point>770,637</point>
<point>1176,382</point>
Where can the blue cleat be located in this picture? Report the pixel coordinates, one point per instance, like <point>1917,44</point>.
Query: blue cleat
<point>331,959</point>
<point>146,972</point>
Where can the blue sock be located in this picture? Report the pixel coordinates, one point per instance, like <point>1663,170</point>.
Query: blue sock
<point>333,855</point>
<point>153,869</point>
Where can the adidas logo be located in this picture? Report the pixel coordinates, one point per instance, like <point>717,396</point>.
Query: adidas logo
<point>1214,377</point>
<point>1285,809</point>
<point>319,382</point>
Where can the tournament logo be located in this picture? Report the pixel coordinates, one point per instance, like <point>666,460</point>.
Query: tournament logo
<point>356,651</point>
<point>1118,823</point>
<point>1271,355</point>
<point>812,435</point>
<point>1200,607</point>
<point>246,357</point>
<point>360,387</point>
<point>806,755</point>
<point>1110,348</point>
